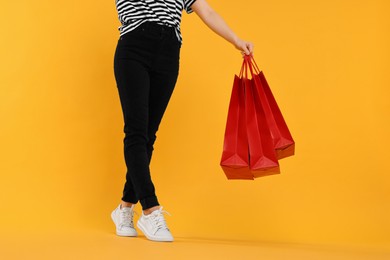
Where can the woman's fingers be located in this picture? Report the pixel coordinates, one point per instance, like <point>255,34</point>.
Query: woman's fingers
<point>250,47</point>
<point>246,48</point>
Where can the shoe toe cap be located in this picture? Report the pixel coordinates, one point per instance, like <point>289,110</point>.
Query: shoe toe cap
<point>164,234</point>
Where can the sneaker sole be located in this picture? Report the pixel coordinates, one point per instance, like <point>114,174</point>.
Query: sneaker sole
<point>121,233</point>
<point>150,236</point>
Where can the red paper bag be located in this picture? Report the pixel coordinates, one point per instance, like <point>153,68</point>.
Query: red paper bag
<point>262,156</point>
<point>235,160</point>
<point>283,142</point>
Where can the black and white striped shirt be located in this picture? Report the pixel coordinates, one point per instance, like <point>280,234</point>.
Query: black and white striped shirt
<point>133,13</point>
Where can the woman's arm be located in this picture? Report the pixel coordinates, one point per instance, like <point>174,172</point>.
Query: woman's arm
<point>215,22</point>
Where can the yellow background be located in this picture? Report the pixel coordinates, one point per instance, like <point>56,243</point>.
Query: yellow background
<point>327,62</point>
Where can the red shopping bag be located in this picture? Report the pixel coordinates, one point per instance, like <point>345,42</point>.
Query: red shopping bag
<point>262,156</point>
<point>235,158</point>
<point>283,142</point>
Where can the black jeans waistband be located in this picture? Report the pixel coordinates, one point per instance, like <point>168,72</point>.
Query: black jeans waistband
<point>158,28</point>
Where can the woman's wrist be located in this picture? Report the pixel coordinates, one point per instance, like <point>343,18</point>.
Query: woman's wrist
<point>235,40</point>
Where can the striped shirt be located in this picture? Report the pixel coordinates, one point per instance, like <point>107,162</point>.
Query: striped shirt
<point>133,13</point>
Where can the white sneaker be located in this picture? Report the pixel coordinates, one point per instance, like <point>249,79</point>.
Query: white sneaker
<point>123,220</point>
<point>154,226</point>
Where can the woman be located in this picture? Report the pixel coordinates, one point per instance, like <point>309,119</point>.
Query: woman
<point>146,65</point>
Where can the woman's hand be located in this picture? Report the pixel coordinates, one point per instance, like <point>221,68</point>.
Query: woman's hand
<point>245,47</point>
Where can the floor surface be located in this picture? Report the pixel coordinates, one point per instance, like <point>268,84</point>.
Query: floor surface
<point>87,244</point>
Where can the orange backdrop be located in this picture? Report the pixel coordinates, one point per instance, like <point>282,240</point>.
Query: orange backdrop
<point>327,63</point>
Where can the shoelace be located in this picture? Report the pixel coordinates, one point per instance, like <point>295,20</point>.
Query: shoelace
<point>127,218</point>
<point>158,220</point>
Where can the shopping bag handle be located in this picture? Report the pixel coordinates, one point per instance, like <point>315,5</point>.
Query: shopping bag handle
<point>251,64</point>
<point>244,69</point>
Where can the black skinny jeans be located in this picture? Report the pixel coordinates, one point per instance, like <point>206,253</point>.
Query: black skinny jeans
<point>146,66</point>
